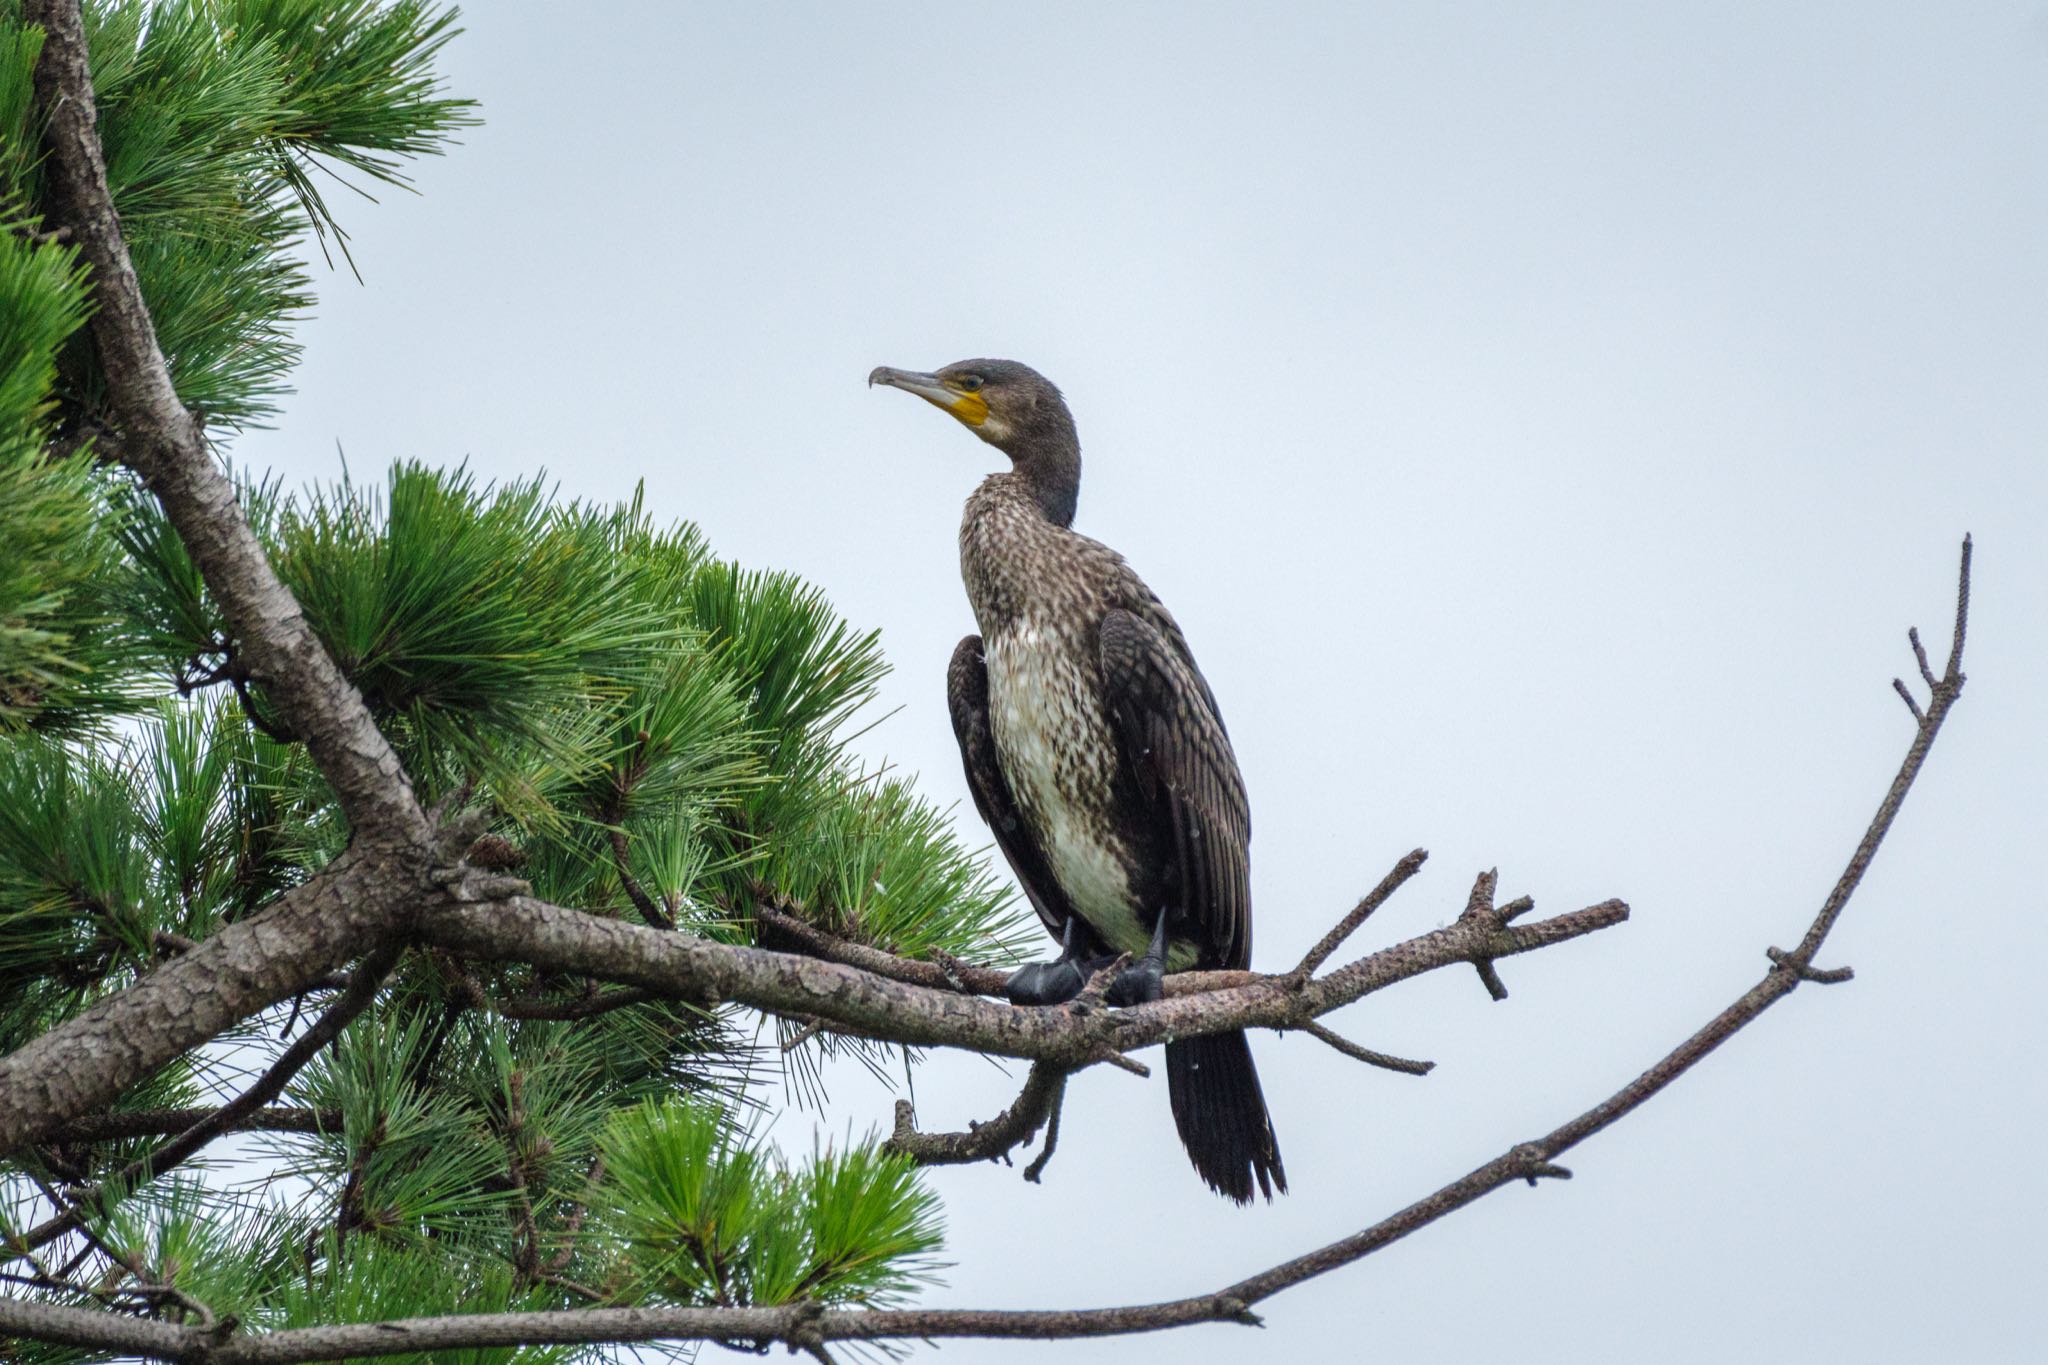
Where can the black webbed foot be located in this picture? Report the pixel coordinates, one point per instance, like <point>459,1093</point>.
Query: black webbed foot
<point>1055,982</point>
<point>1045,983</point>
<point>1144,980</point>
<point>1138,984</point>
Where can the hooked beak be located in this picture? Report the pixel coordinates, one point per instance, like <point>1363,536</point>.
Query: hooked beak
<point>970,408</point>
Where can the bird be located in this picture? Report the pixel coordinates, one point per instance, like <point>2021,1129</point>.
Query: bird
<point>1096,753</point>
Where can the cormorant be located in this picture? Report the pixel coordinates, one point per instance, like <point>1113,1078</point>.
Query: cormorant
<point>1096,753</point>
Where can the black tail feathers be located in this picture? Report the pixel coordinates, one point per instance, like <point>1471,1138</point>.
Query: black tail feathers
<point>1221,1114</point>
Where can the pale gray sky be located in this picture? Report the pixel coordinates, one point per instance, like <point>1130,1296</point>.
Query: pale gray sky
<point>1545,421</point>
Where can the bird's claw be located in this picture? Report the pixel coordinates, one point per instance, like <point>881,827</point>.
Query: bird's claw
<point>1139,984</point>
<point>1045,983</point>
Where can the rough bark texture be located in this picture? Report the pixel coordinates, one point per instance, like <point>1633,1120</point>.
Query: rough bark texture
<point>524,929</point>
<point>163,1122</point>
<point>85,1064</point>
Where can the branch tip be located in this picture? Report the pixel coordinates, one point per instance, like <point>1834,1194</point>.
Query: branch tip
<point>1123,1063</point>
<point>1532,1162</point>
<point>1793,963</point>
<point>1365,1054</point>
<point>1407,867</point>
<point>1906,695</point>
<point>803,1035</point>
<point>1480,901</point>
<point>1920,656</point>
<point>1052,1135</point>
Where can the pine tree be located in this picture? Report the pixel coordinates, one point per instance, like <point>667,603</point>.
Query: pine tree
<point>651,732</point>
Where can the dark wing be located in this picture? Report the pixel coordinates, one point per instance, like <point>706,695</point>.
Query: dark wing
<point>967,698</point>
<point>1173,739</point>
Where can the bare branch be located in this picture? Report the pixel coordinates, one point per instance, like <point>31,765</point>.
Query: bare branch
<point>1943,696</point>
<point>1345,927</point>
<point>1013,1127</point>
<point>1906,696</point>
<point>1366,1054</point>
<point>787,930</point>
<point>1955,651</point>
<point>811,1029</point>
<point>525,929</point>
<point>1111,1057</point>
<point>1832,977</point>
<point>1920,655</point>
<point>1052,1138</point>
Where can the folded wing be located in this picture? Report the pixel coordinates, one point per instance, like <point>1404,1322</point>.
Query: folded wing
<point>1175,746</point>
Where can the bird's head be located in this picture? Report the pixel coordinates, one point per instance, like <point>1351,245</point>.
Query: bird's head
<point>1011,406</point>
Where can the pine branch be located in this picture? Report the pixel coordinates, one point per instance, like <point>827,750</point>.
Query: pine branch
<point>525,929</point>
<point>786,931</point>
<point>85,1064</point>
<point>118,1125</point>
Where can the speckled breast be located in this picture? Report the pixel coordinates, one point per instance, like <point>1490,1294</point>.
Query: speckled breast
<point>1052,736</point>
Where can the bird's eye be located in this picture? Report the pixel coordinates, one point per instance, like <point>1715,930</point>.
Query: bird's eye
<point>970,383</point>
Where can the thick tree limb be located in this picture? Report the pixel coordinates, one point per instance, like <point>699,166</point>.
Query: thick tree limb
<point>168,942</point>
<point>361,992</point>
<point>525,929</point>
<point>117,1125</point>
<point>163,442</point>
<point>84,1064</point>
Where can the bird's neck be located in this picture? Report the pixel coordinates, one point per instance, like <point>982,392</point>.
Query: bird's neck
<point>1015,556</point>
<point>1048,466</point>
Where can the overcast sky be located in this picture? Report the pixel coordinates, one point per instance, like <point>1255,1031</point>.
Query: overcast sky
<point>1545,421</point>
